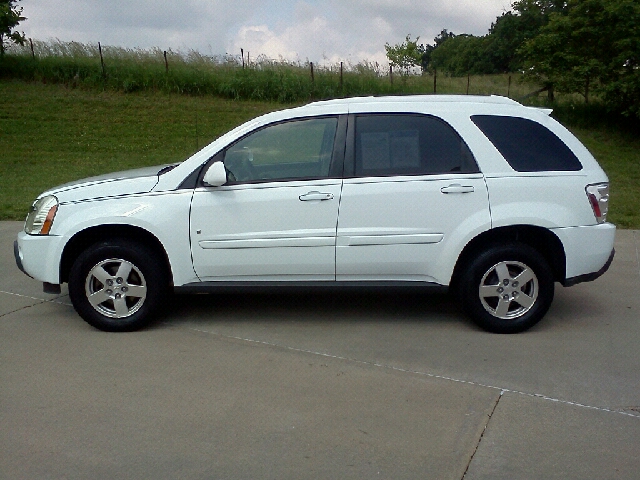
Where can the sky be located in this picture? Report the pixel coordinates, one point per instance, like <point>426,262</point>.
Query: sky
<point>321,31</point>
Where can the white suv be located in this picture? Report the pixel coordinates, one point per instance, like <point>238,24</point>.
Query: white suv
<point>496,200</point>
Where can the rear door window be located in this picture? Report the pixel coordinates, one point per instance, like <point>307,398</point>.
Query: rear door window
<point>398,144</point>
<point>526,145</point>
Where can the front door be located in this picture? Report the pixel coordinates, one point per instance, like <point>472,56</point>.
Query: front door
<point>276,217</point>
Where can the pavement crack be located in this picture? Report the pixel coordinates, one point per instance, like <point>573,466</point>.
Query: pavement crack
<point>637,242</point>
<point>415,372</point>
<point>495,405</point>
<point>38,301</point>
<point>22,308</point>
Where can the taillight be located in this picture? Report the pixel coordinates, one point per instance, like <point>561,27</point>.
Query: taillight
<point>598,195</point>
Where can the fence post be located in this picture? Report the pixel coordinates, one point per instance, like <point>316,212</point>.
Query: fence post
<point>33,53</point>
<point>509,88</point>
<point>242,55</point>
<point>312,78</point>
<point>341,76</point>
<point>435,80</point>
<point>104,73</point>
<point>166,63</point>
<point>391,74</point>
<point>586,90</point>
<point>196,112</point>
<point>468,82</point>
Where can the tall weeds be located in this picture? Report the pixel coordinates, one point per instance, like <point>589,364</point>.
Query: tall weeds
<point>79,65</point>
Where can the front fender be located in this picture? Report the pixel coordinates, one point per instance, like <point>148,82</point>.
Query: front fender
<point>164,215</point>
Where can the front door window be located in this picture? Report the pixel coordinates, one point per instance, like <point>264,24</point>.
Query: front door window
<point>286,151</point>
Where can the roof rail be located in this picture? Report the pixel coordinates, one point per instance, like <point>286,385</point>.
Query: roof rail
<point>495,99</point>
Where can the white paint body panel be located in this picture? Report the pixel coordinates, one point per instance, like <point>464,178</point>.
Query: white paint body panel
<point>396,228</point>
<point>105,186</point>
<point>265,232</point>
<point>165,215</point>
<point>546,200</point>
<point>40,256</point>
<point>587,248</point>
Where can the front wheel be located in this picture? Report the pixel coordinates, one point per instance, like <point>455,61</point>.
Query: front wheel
<point>116,285</point>
<point>507,289</point>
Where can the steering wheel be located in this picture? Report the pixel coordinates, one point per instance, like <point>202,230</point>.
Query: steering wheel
<point>239,165</point>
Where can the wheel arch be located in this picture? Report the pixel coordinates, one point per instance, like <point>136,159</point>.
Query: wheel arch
<point>541,239</point>
<point>85,238</point>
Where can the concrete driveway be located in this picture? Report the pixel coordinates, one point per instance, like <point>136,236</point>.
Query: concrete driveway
<point>322,386</point>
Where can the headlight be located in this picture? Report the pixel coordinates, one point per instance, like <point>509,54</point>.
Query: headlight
<point>41,216</point>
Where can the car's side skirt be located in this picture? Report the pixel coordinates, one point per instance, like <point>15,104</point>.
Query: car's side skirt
<point>284,286</point>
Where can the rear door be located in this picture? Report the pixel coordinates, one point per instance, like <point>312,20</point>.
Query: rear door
<point>411,192</point>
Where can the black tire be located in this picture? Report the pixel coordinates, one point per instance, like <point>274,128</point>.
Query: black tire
<point>125,281</point>
<point>507,288</point>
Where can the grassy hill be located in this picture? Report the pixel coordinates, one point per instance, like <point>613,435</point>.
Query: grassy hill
<point>54,133</point>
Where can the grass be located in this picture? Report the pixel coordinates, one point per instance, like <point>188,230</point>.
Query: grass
<point>50,134</point>
<point>615,142</point>
<point>619,155</point>
<point>133,70</point>
<point>53,133</point>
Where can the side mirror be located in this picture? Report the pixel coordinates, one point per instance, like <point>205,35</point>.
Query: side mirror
<point>216,175</point>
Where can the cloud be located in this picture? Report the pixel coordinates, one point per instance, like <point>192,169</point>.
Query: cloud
<point>335,30</point>
<point>260,40</point>
<point>318,35</point>
<point>311,39</point>
<point>187,24</point>
<point>318,30</point>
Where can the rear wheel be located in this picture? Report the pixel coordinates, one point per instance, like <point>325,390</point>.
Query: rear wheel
<point>507,289</point>
<point>117,285</point>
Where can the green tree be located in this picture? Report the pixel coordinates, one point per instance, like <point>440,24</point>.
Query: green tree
<point>497,51</point>
<point>510,30</point>
<point>443,36</point>
<point>405,55</point>
<point>593,46</point>
<point>462,55</point>
<point>10,16</point>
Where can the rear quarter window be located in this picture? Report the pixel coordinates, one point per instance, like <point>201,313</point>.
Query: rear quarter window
<point>527,145</point>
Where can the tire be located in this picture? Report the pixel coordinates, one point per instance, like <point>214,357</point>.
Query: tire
<point>507,288</point>
<point>117,285</point>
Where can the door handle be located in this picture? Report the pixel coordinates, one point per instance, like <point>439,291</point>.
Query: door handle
<point>457,188</point>
<point>307,197</point>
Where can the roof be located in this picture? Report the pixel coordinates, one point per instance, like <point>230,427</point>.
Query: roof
<point>492,99</point>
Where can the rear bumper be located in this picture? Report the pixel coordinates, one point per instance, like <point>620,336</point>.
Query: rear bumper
<point>588,251</point>
<point>589,277</point>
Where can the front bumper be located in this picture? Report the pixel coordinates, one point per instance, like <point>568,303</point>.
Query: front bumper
<point>38,256</point>
<point>18,254</point>
<point>52,288</point>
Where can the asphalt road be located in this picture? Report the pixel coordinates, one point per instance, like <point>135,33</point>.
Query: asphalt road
<point>322,386</point>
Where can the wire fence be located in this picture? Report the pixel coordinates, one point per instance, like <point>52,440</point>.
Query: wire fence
<point>81,65</point>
